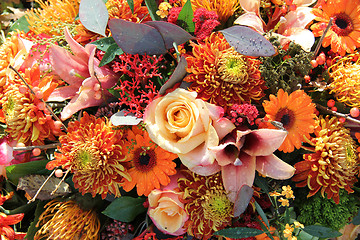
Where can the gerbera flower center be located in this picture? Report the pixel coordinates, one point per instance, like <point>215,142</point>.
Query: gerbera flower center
<point>286,117</point>
<point>144,159</point>
<point>216,205</point>
<point>342,24</point>
<point>233,67</point>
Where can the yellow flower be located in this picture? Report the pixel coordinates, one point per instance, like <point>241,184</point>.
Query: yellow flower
<point>275,194</point>
<point>284,202</point>
<point>298,224</point>
<point>288,231</point>
<point>287,192</point>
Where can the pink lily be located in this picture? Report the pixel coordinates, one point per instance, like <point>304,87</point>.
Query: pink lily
<point>290,27</point>
<point>240,153</point>
<point>83,74</point>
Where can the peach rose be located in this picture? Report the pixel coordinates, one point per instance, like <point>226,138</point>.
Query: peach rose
<point>166,209</point>
<point>186,126</point>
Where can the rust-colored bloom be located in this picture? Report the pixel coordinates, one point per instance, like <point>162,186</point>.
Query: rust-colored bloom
<point>92,150</point>
<point>150,165</point>
<point>206,203</point>
<point>120,9</point>
<point>345,80</point>
<point>344,33</point>
<point>223,76</point>
<point>295,112</point>
<point>27,119</point>
<point>223,8</point>
<point>67,220</point>
<point>52,16</point>
<point>334,163</point>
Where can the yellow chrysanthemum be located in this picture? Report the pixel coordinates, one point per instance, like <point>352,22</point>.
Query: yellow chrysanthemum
<point>92,150</point>
<point>52,16</point>
<point>206,202</point>
<point>345,80</point>
<point>334,163</point>
<point>67,220</point>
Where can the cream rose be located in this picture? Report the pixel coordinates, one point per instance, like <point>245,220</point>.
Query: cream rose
<point>166,209</point>
<point>184,125</point>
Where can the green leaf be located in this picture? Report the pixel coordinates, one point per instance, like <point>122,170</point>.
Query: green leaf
<point>21,24</point>
<point>152,8</point>
<point>125,208</point>
<point>356,219</point>
<point>94,16</point>
<point>104,43</point>
<point>262,214</point>
<point>14,172</point>
<point>262,183</point>
<point>110,54</point>
<point>33,229</point>
<point>185,19</point>
<point>266,230</point>
<point>321,232</point>
<point>131,5</point>
<point>239,232</point>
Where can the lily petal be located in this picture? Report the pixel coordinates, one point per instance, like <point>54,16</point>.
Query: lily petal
<point>274,167</point>
<point>263,142</point>
<point>250,19</point>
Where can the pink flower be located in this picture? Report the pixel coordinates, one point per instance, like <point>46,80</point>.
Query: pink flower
<point>240,153</point>
<point>79,72</point>
<point>6,155</point>
<point>166,208</point>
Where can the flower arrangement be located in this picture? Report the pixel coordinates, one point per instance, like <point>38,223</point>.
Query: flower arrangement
<point>180,119</point>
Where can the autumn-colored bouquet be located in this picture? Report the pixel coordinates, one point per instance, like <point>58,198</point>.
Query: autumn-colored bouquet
<point>180,119</point>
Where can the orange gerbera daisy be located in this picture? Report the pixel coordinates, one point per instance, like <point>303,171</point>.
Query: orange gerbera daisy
<point>334,164</point>
<point>296,114</point>
<point>344,34</point>
<point>52,16</point>
<point>150,165</point>
<point>92,150</point>
<point>222,76</point>
<point>67,220</point>
<point>345,80</point>
<point>223,8</point>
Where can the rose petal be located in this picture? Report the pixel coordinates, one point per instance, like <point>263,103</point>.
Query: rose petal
<point>274,167</point>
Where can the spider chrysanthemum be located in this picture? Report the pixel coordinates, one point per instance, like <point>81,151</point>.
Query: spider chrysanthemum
<point>334,164</point>
<point>344,33</point>
<point>67,220</point>
<point>222,76</point>
<point>92,150</point>
<point>345,80</point>
<point>120,9</point>
<point>206,203</point>
<point>296,114</point>
<point>150,165</point>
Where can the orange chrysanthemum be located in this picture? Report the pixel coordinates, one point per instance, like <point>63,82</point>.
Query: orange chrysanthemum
<point>206,203</point>
<point>150,165</point>
<point>92,150</point>
<point>221,75</point>
<point>345,80</point>
<point>296,114</point>
<point>52,16</point>
<point>120,9</point>
<point>334,163</point>
<point>67,220</point>
<point>27,119</point>
<point>344,34</point>
<point>223,8</point>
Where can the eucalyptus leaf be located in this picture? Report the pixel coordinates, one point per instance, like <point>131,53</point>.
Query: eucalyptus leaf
<point>239,232</point>
<point>178,74</point>
<point>125,208</point>
<point>321,231</point>
<point>110,54</point>
<point>119,119</point>
<point>242,200</point>
<point>248,42</point>
<point>185,18</point>
<point>94,16</point>
<point>356,219</point>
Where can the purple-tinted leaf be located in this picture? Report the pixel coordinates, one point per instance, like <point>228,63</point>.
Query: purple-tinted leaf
<point>94,16</point>
<point>248,42</point>
<point>171,33</point>
<point>178,74</point>
<point>119,119</point>
<point>136,38</point>
<point>242,200</point>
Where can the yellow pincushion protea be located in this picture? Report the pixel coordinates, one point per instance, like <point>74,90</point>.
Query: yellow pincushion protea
<point>67,220</point>
<point>345,80</point>
<point>92,150</point>
<point>334,164</point>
